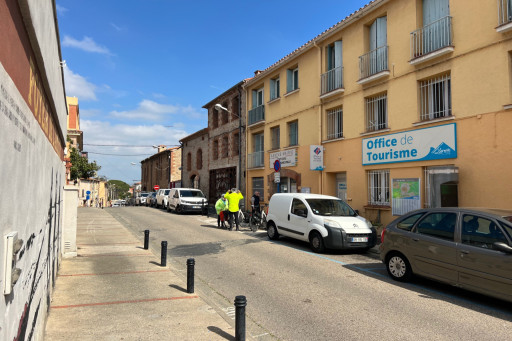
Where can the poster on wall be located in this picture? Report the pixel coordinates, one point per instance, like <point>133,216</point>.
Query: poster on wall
<point>288,158</point>
<point>432,143</point>
<point>406,195</point>
<point>316,157</point>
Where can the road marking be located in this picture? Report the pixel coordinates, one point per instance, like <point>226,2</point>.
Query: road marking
<point>122,302</point>
<point>230,311</point>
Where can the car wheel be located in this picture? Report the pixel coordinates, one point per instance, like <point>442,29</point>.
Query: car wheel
<point>272,232</point>
<point>398,267</point>
<point>178,209</point>
<point>317,242</point>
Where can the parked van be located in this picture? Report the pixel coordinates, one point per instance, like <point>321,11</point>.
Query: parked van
<point>162,197</point>
<point>321,220</point>
<point>186,200</point>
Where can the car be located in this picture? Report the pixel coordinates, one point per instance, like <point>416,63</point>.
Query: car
<point>183,200</point>
<point>466,247</point>
<point>161,197</point>
<point>141,199</point>
<point>151,199</point>
<point>323,221</point>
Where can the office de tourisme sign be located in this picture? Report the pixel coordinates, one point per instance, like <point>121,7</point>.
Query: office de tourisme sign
<point>432,143</point>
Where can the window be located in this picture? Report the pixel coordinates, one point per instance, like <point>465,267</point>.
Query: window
<point>274,88</point>
<point>199,159</point>
<point>333,78</point>
<point>481,232</point>
<point>257,186</point>
<point>189,161</point>
<point>376,112</point>
<point>215,118</point>
<point>293,133</point>
<point>409,222</point>
<point>439,225</point>
<point>299,208</point>
<point>225,146</point>
<point>236,144</point>
<point>215,149</point>
<point>435,98</point>
<point>224,115</point>
<point>378,187</point>
<point>274,132</point>
<point>234,108</point>
<point>334,123</point>
<point>256,159</point>
<point>378,58</point>
<point>292,80</point>
<point>257,98</point>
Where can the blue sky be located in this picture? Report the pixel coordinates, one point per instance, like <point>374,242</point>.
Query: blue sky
<point>143,69</point>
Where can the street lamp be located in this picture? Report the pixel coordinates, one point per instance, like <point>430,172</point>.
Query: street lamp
<point>219,107</point>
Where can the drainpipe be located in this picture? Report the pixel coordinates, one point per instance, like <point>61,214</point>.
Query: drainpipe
<point>239,138</point>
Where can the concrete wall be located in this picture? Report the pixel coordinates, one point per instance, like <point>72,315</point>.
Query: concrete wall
<point>32,129</point>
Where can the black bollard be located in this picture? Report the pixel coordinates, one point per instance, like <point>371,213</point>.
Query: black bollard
<point>190,275</point>
<point>163,255</point>
<point>146,239</point>
<point>240,303</point>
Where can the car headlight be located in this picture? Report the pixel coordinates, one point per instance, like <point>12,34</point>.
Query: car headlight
<point>331,223</point>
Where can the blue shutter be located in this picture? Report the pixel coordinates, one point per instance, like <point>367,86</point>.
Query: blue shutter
<point>289,80</point>
<point>338,55</point>
<point>254,99</point>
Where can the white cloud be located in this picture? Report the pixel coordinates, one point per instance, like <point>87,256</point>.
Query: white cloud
<point>86,44</point>
<point>61,10</point>
<point>78,86</point>
<point>153,111</point>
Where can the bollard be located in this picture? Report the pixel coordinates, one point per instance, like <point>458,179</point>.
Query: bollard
<point>163,255</point>
<point>240,303</point>
<point>146,239</point>
<point>190,275</point>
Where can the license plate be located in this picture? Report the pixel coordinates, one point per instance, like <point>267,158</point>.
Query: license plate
<point>359,239</point>
<point>197,207</point>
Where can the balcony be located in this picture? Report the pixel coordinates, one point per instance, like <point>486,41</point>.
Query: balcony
<point>332,82</point>
<point>373,65</point>
<point>255,160</point>
<point>504,16</point>
<point>431,41</point>
<point>256,115</point>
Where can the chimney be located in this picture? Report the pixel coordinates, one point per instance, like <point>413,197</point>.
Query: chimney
<point>161,148</point>
<point>257,72</point>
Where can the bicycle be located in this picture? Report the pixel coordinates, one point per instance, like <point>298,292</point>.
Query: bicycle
<point>258,219</point>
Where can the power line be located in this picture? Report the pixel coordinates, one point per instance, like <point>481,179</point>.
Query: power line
<point>126,145</point>
<point>118,154</point>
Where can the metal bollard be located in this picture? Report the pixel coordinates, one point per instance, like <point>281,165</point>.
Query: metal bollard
<point>240,303</point>
<point>190,275</point>
<point>146,239</point>
<point>163,255</point>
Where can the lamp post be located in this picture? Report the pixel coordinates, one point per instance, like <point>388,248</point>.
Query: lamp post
<point>219,107</point>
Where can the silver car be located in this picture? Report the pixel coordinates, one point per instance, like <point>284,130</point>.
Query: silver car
<point>466,247</point>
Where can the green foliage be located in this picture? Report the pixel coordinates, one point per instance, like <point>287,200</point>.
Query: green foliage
<point>120,188</point>
<point>81,168</point>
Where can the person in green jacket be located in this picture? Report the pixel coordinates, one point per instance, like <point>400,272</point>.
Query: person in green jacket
<point>221,206</point>
<point>234,196</point>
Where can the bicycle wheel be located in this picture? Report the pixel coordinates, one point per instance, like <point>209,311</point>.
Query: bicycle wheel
<point>252,223</point>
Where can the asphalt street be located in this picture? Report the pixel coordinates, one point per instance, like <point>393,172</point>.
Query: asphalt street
<point>294,294</point>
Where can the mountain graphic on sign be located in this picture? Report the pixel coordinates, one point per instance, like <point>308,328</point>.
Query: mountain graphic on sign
<point>443,151</point>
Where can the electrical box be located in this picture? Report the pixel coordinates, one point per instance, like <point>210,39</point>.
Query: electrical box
<point>12,246</point>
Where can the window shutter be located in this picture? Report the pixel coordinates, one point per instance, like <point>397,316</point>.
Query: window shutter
<point>338,54</point>
<point>254,99</point>
<point>289,80</point>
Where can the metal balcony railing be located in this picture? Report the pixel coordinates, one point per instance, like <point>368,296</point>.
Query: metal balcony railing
<point>373,62</point>
<point>504,12</point>
<point>432,37</point>
<point>332,80</point>
<point>257,114</point>
<point>255,159</point>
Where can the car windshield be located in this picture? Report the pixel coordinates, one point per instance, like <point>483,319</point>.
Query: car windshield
<point>191,194</point>
<point>330,207</point>
<point>144,194</point>
<point>167,191</point>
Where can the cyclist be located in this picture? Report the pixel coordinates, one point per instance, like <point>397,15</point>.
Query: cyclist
<point>234,196</point>
<point>255,204</point>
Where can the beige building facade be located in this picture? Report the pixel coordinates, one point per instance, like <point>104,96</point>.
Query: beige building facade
<point>402,105</point>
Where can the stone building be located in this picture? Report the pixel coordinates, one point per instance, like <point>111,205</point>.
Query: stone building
<point>226,152</point>
<point>194,172</point>
<point>162,169</point>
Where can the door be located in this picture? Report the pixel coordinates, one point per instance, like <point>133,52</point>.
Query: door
<point>298,222</point>
<point>481,267</point>
<point>434,35</point>
<point>378,38</point>
<point>433,248</point>
<point>341,186</point>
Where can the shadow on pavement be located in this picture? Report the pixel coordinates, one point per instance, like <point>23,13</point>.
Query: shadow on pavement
<point>221,333</point>
<point>177,287</point>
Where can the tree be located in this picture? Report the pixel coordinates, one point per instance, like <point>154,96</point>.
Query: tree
<point>121,188</point>
<point>81,168</point>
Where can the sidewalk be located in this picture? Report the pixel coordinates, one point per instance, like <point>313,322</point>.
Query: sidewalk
<point>116,290</point>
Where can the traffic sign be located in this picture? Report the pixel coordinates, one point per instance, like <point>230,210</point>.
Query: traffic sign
<point>88,192</point>
<point>277,166</point>
<point>277,177</point>
<point>156,187</point>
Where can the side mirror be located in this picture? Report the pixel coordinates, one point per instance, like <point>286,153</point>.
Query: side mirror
<point>502,247</point>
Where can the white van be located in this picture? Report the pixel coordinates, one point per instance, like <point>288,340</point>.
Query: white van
<point>322,220</point>
<point>186,200</point>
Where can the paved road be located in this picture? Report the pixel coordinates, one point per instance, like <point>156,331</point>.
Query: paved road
<point>294,294</point>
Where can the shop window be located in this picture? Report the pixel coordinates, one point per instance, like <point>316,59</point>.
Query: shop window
<point>376,112</point>
<point>435,98</point>
<point>378,187</point>
<point>335,123</point>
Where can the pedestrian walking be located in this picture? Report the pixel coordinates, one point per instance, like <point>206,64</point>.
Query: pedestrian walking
<point>221,206</point>
<point>255,202</point>
<point>234,196</point>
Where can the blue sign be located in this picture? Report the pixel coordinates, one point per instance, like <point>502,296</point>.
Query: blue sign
<point>277,165</point>
<point>88,192</point>
<point>432,143</point>
<point>87,197</point>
